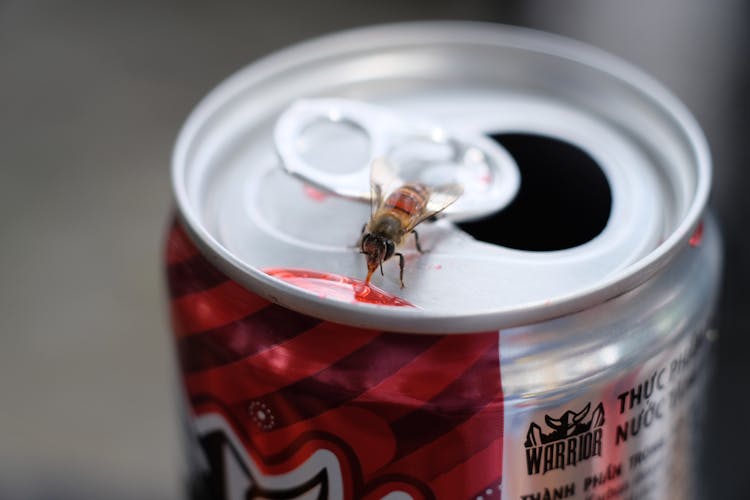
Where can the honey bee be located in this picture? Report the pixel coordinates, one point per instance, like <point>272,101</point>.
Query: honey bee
<point>396,209</point>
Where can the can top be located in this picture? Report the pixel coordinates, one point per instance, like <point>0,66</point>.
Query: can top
<point>547,102</point>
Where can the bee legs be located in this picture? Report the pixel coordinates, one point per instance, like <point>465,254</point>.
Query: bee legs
<point>416,241</point>
<point>401,268</point>
<point>359,240</point>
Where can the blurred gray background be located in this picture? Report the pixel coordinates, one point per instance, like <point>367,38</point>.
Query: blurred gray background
<point>92,95</point>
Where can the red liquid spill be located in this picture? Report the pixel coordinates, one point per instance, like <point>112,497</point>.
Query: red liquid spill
<point>334,286</point>
<point>697,237</point>
<point>314,194</point>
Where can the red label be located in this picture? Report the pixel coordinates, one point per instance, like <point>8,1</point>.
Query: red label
<point>285,404</point>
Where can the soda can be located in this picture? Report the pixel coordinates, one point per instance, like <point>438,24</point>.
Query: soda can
<point>551,342</point>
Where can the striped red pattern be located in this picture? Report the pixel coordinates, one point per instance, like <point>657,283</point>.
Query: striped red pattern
<point>415,413</point>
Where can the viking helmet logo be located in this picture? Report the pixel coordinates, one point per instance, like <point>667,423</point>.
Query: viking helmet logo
<point>569,424</point>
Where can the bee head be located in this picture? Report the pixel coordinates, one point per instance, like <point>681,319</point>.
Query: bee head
<point>376,249</point>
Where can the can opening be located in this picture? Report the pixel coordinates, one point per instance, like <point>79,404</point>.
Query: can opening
<point>564,200</point>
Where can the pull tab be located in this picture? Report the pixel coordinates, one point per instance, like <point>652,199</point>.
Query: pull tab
<point>330,143</point>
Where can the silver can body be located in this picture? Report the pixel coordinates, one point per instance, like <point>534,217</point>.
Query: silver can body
<point>603,339</point>
<point>616,410</point>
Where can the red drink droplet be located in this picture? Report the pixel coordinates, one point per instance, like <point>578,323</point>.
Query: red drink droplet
<point>314,194</point>
<point>337,287</point>
<point>697,237</point>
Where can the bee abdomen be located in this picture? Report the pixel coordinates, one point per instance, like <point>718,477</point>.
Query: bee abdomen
<point>409,199</point>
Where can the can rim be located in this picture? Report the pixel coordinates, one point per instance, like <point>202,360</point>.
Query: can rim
<point>365,315</point>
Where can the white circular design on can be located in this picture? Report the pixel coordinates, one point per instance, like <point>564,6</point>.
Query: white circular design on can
<point>262,415</point>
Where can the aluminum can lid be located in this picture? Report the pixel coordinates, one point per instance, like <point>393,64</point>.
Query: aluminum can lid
<point>258,223</point>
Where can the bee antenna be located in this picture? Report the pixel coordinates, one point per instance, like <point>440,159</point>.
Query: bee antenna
<point>381,269</point>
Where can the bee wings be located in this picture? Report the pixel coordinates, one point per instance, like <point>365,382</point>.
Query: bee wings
<point>384,180</point>
<point>441,197</point>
